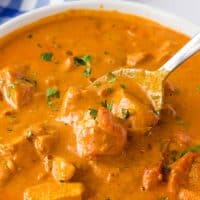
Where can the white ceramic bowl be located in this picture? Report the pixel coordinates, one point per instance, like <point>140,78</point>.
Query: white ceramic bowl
<point>163,18</point>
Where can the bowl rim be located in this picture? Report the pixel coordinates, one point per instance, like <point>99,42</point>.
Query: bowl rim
<point>139,9</point>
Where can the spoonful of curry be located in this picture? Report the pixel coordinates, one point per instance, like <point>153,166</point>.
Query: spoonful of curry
<point>153,81</point>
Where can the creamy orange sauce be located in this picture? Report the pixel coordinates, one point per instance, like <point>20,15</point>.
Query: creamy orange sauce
<point>113,40</point>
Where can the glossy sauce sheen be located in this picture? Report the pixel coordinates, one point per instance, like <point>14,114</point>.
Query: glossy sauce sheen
<point>108,37</point>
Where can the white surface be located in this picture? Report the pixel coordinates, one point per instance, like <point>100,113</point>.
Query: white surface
<point>122,6</point>
<point>188,9</point>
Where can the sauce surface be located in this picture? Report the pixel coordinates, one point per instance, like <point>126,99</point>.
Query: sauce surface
<point>131,154</point>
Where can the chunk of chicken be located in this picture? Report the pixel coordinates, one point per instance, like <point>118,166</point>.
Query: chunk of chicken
<point>20,151</point>
<point>44,138</point>
<point>179,173</point>
<point>16,88</point>
<point>14,156</point>
<point>62,170</point>
<point>141,116</point>
<point>103,136</point>
<point>152,177</point>
<point>52,191</point>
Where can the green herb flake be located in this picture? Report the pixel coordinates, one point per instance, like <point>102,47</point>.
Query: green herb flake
<point>122,86</point>
<point>83,60</point>
<point>109,90</point>
<point>29,134</point>
<point>111,78</point>
<point>125,113</point>
<point>13,85</point>
<point>174,155</point>
<point>191,149</point>
<point>163,198</point>
<point>87,72</point>
<point>110,106</point>
<point>93,113</point>
<point>47,56</point>
<point>97,84</point>
<point>104,103</point>
<point>52,92</point>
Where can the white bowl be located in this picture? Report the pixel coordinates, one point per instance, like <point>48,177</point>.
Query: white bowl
<point>163,18</point>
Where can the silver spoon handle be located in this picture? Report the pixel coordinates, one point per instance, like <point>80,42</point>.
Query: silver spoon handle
<point>183,54</point>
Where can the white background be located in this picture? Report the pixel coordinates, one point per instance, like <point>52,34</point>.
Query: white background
<point>188,9</point>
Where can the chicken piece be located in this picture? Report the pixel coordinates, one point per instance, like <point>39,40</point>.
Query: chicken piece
<point>103,136</point>
<point>15,87</point>
<point>14,156</point>
<point>62,170</point>
<point>70,112</point>
<point>71,98</point>
<point>136,58</point>
<point>141,117</point>
<point>44,138</point>
<point>152,177</point>
<point>179,173</point>
<point>20,151</point>
<point>185,194</point>
<point>52,191</point>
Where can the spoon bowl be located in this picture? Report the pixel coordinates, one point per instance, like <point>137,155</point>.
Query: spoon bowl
<point>153,81</point>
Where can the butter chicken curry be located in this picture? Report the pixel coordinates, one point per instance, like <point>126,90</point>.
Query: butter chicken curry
<point>60,139</point>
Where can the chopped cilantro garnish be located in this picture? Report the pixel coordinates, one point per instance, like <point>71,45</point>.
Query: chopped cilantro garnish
<point>109,90</point>
<point>97,84</point>
<point>47,56</point>
<point>125,113</point>
<point>110,106</point>
<point>93,113</point>
<point>111,78</point>
<point>174,155</point>
<point>83,60</point>
<point>104,103</point>
<point>87,71</point>
<point>52,92</point>
<point>191,149</point>
<point>13,85</point>
<point>122,86</point>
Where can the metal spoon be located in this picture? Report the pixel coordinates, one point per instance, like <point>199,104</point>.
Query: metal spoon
<point>153,81</point>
